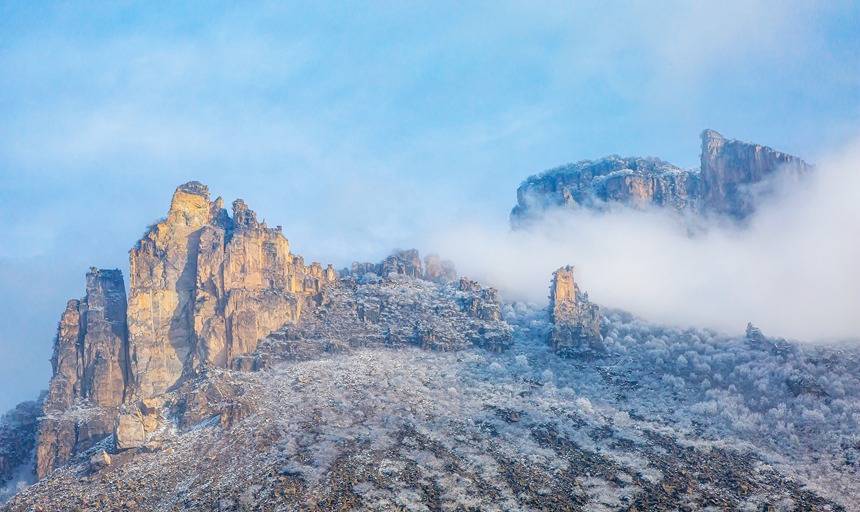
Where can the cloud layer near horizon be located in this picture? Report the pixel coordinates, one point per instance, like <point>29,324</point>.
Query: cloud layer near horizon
<point>793,270</point>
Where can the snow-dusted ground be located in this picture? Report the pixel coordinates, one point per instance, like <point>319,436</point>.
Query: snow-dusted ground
<point>798,405</point>
<point>665,419</point>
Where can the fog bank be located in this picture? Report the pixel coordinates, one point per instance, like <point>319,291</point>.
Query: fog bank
<point>793,271</point>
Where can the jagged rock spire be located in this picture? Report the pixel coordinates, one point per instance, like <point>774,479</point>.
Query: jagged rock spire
<point>90,363</point>
<point>205,288</point>
<point>575,320</point>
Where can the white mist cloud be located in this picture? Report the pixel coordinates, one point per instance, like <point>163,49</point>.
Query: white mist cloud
<point>793,271</point>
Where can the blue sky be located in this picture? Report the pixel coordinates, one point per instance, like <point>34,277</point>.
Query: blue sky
<point>361,126</point>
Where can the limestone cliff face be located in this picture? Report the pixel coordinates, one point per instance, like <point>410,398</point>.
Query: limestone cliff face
<point>732,177</point>
<point>205,288</point>
<point>637,182</point>
<point>104,348</point>
<point>248,285</point>
<point>734,173</point>
<point>90,371</point>
<point>575,320</point>
<point>163,278</point>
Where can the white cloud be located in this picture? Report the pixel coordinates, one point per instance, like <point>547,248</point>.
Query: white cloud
<point>793,271</point>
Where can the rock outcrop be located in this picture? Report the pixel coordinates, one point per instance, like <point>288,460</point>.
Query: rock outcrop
<point>129,431</point>
<point>90,371</point>
<point>732,177</point>
<point>162,282</point>
<point>404,306</point>
<point>205,288</point>
<point>407,263</point>
<point>597,184</point>
<point>735,174</point>
<point>575,320</point>
<point>438,270</point>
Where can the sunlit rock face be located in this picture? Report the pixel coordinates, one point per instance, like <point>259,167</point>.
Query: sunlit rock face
<point>90,369</point>
<point>206,287</point>
<point>575,320</point>
<point>730,181</point>
<point>248,285</point>
<point>163,279</point>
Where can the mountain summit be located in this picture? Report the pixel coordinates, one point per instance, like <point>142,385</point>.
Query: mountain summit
<point>731,179</point>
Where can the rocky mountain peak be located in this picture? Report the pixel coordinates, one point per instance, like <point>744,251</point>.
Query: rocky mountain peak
<point>90,366</point>
<point>206,289</point>
<point>732,179</point>
<point>190,205</point>
<point>710,139</point>
<point>563,289</point>
<point>244,217</point>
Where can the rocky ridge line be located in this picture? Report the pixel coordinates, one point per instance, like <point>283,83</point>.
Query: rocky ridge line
<point>732,178</point>
<point>206,289</point>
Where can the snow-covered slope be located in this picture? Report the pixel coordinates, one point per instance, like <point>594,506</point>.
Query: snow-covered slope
<point>664,419</point>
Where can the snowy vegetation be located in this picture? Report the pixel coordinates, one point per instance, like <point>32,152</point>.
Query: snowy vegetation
<point>663,418</point>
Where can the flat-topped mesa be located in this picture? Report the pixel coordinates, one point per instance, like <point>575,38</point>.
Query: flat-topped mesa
<point>734,174</point>
<point>598,184</point>
<point>205,288</point>
<point>575,320</point>
<point>90,366</point>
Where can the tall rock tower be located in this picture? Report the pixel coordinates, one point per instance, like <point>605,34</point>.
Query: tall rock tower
<point>163,278</point>
<point>90,366</point>
<point>575,320</point>
<point>205,288</point>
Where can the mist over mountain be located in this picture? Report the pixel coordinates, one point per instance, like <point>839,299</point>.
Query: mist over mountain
<point>225,335</point>
<point>672,258</point>
<point>442,256</point>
